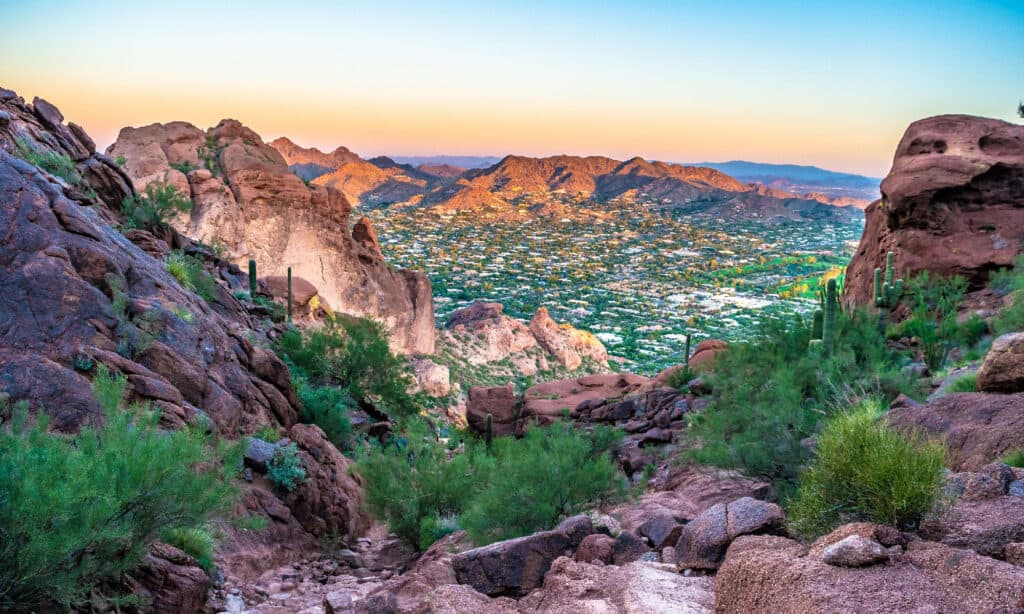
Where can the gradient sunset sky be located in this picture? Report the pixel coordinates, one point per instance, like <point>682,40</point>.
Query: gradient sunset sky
<point>826,83</point>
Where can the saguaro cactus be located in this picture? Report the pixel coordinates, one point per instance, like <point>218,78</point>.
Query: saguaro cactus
<point>888,291</point>
<point>252,279</point>
<point>816,323</point>
<point>488,434</point>
<point>289,294</point>
<point>687,348</point>
<point>828,324</point>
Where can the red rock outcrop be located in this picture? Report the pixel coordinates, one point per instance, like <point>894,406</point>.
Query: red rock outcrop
<point>953,203</point>
<point>773,574</point>
<point>78,293</point>
<point>569,345</point>
<point>245,198</point>
<point>977,428</point>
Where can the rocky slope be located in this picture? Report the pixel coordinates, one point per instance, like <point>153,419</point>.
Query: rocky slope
<point>245,198</point>
<point>698,188</point>
<point>79,293</point>
<point>953,203</point>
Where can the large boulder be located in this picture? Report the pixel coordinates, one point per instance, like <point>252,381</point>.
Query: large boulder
<point>170,581</point>
<point>977,428</point>
<point>245,197</point>
<point>499,402</point>
<point>516,566</point>
<point>1003,369</point>
<point>550,401</point>
<point>952,204</point>
<point>703,542</point>
<point>772,574</point>
<point>481,333</point>
<point>330,501</point>
<point>703,357</point>
<point>636,588</point>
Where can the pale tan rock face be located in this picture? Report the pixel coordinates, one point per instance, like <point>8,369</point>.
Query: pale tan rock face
<point>245,197</point>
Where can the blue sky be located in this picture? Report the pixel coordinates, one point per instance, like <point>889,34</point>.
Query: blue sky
<point>832,84</point>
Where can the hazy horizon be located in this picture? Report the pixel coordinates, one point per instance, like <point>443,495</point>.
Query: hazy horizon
<point>827,86</point>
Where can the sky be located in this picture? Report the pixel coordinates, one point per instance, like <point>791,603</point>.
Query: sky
<point>832,84</point>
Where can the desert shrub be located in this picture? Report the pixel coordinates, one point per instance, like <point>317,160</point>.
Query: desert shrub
<point>1008,279</point>
<point>1010,319</point>
<point>191,274</point>
<point>329,408</point>
<point>285,469</point>
<point>770,393</point>
<point>56,164</point>
<point>154,208</point>
<point>548,475</point>
<point>965,383</point>
<point>268,434</point>
<point>933,302</point>
<point>971,331</point>
<point>1015,458</point>
<point>521,486</point>
<point>182,167</point>
<point>77,512</point>
<point>679,378</point>
<point>195,541</point>
<point>866,471</point>
<point>352,353</point>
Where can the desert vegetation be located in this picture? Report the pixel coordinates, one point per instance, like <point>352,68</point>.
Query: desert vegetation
<point>77,512</point>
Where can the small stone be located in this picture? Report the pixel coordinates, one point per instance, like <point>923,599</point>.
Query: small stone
<point>854,551</point>
<point>650,557</point>
<point>1016,488</point>
<point>668,555</point>
<point>338,602</point>
<point>1014,553</point>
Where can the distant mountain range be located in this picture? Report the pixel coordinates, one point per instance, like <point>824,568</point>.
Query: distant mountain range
<point>522,185</point>
<point>801,179</point>
<point>460,161</point>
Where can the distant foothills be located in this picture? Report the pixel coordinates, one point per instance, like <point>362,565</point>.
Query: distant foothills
<point>454,183</point>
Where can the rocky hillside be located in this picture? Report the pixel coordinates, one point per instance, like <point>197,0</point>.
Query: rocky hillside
<point>79,294</point>
<point>366,182</point>
<point>247,200</point>
<point>953,203</point>
<point>523,179</point>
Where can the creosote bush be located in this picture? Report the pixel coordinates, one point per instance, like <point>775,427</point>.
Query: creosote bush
<point>770,393</point>
<point>520,487</point>
<point>77,512</point>
<point>866,471</point>
<point>155,207</point>
<point>195,541</point>
<point>352,353</point>
<point>964,383</point>
<point>1015,458</point>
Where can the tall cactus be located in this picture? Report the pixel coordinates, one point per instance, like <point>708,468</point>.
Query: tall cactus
<point>289,294</point>
<point>687,356</point>
<point>816,323</point>
<point>488,435</point>
<point>252,279</point>
<point>888,290</point>
<point>828,324</point>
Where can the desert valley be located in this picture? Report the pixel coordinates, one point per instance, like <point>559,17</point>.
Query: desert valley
<point>242,372</point>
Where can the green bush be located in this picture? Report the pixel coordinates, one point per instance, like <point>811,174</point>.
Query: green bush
<point>1008,279</point>
<point>1015,458</point>
<point>268,434</point>
<point>520,487</point>
<point>329,408</point>
<point>195,541</point>
<point>154,208</point>
<point>191,274</point>
<point>285,469</point>
<point>965,383</point>
<point>971,332</point>
<point>1010,319</point>
<point>56,164</point>
<point>866,471</point>
<point>354,354</point>
<point>679,378</point>
<point>770,393</point>
<point>548,475</point>
<point>932,321</point>
<point>77,512</point>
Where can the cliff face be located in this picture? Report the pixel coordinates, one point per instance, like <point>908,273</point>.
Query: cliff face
<point>78,293</point>
<point>245,197</point>
<point>953,203</point>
